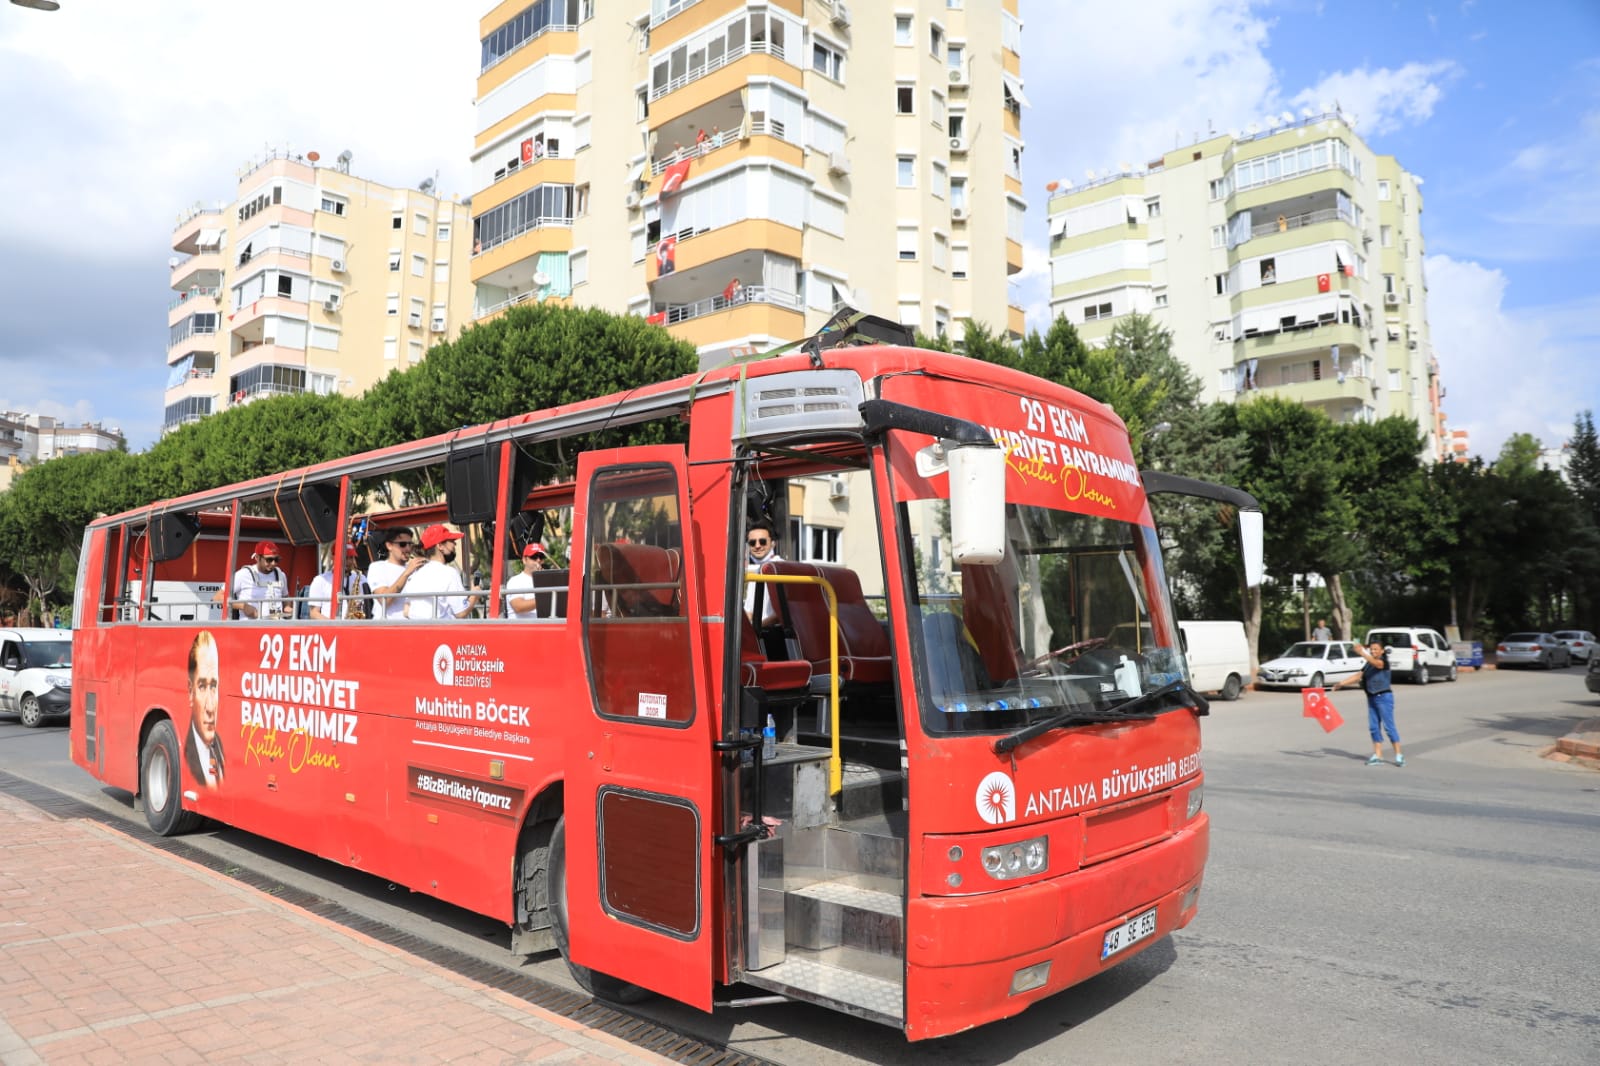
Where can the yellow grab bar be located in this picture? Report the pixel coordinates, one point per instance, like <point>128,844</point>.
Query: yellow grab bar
<point>835,763</point>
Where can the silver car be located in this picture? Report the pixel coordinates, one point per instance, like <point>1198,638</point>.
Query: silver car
<point>1579,642</point>
<point>1532,649</point>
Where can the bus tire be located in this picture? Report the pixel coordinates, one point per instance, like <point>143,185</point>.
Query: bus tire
<point>161,785</point>
<point>597,984</point>
<point>1232,687</point>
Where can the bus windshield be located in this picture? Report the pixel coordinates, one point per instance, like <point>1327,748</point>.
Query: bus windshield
<point>1075,617</point>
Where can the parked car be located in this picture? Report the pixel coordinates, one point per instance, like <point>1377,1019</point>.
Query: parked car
<point>1591,676</point>
<point>35,674</point>
<point>1416,653</point>
<point>1310,664</point>
<point>1580,643</point>
<point>1532,649</point>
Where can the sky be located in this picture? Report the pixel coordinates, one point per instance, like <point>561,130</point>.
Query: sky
<point>119,116</point>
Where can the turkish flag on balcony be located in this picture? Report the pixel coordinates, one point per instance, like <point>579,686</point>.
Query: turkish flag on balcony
<point>674,177</point>
<point>657,319</point>
<point>527,150</point>
<point>1349,270</point>
<point>1324,283</point>
<point>666,256</point>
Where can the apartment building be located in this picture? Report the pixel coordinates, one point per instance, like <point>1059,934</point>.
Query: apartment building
<point>736,171</point>
<point>1285,261</point>
<point>27,438</point>
<point>312,280</point>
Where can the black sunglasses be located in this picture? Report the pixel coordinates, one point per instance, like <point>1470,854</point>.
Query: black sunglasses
<point>758,543</point>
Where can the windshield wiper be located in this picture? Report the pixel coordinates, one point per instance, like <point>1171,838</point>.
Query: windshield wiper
<point>1121,712</point>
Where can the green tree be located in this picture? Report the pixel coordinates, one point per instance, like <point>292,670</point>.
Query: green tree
<point>1519,456</point>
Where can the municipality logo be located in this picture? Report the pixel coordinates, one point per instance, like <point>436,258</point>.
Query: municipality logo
<point>997,798</point>
<point>444,665</point>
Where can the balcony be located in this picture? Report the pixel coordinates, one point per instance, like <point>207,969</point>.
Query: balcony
<point>186,234</point>
<point>696,249</point>
<point>690,141</point>
<point>751,311</point>
<point>200,269</point>
<point>202,299</point>
<point>1306,339</point>
<point>675,97</point>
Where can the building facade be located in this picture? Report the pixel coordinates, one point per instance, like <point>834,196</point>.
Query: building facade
<point>1286,262</point>
<point>32,438</point>
<point>736,171</point>
<point>312,280</point>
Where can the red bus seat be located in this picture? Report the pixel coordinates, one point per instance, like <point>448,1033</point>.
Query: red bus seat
<point>756,669</point>
<point>863,642</point>
<point>630,566</point>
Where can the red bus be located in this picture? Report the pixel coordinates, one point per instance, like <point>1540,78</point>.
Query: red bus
<point>969,796</point>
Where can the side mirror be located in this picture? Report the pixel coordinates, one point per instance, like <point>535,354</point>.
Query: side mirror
<point>977,503</point>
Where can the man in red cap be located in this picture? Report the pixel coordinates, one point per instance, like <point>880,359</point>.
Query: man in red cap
<point>438,580</point>
<point>260,588</point>
<point>521,601</point>
<point>352,602</point>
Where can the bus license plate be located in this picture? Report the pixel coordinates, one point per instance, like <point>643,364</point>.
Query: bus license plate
<point>1128,933</point>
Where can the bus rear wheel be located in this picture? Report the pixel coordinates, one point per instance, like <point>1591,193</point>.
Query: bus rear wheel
<point>160,783</point>
<point>597,984</point>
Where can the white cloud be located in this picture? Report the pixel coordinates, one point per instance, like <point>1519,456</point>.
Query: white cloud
<point>1383,100</point>
<point>1524,370</point>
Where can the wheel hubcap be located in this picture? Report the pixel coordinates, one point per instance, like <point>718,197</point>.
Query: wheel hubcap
<point>156,793</point>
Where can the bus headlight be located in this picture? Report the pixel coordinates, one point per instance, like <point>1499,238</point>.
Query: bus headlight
<point>1022,859</point>
<point>1197,799</point>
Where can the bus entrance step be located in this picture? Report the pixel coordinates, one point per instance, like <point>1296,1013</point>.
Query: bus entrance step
<point>868,791</point>
<point>839,914</point>
<point>815,978</point>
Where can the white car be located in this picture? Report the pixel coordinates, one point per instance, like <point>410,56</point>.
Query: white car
<point>1310,664</point>
<point>1416,654</point>
<point>35,674</point>
<point>1580,642</point>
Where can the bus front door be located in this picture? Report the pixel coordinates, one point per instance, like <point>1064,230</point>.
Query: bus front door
<point>639,790</point>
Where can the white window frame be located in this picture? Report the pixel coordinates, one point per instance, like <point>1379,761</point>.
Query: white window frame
<point>905,167</point>
<point>908,24</point>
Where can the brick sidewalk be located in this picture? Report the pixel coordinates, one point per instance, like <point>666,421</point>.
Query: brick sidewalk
<point>113,952</point>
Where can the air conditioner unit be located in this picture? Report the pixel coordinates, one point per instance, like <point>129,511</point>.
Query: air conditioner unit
<point>958,214</point>
<point>838,163</point>
<point>337,265</point>
<point>958,76</point>
<point>438,325</point>
<point>331,304</point>
<point>416,320</point>
<point>841,14</point>
<point>838,488</point>
<point>1412,345</point>
<point>958,144</point>
<point>1391,299</point>
<point>632,201</point>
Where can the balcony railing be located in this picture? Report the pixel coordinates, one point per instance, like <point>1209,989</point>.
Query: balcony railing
<point>554,27</point>
<point>193,292</point>
<point>716,140</point>
<point>485,312</point>
<point>660,14</point>
<point>541,222</point>
<point>539,157</point>
<point>1285,223</point>
<point>749,294</point>
<point>713,65</point>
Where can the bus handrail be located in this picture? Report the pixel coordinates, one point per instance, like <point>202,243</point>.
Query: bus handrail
<point>835,763</point>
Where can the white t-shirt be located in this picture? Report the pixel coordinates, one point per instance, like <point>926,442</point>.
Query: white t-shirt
<point>321,592</point>
<point>769,602</point>
<point>272,587</point>
<point>380,574</point>
<point>520,585</point>
<point>440,584</point>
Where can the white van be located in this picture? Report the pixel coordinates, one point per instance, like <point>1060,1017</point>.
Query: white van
<point>1218,656</point>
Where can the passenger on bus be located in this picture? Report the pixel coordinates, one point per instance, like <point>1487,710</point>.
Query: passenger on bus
<point>761,547</point>
<point>438,581</point>
<point>202,746</point>
<point>260,589</point>
<point>353,602</point>
<point>521,601</point>
<point>388,576</point>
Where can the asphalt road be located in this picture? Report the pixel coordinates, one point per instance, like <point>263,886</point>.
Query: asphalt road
<point>1444,912</point>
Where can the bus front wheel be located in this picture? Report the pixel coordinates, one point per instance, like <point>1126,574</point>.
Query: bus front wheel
<point>597,984</point>
<point>160,784</point>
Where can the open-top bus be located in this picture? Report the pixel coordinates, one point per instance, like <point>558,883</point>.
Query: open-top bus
<point>975,798</point>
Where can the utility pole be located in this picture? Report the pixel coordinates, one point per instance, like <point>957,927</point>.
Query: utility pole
<point>1305,603</point>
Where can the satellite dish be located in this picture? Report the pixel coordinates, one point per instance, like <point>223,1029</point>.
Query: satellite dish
<point>1089,174</point>
<point>541,279</point>
<point>1066,183</point>
<point>1306,112</point>
<point>1125,168</point>
<point>313,156</point>
<point>345,156</point>
<point>425,185</point>
<point>1254,128</point>
<point>1288,118</point>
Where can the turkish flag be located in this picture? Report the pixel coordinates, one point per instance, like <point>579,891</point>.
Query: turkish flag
<point>673,178</point>
<point>1324,283</point>
<point>657,319</point>
<point>527,150</point>
<point>666,256</point>
<point>1316,704</point>
<point>1349,270</point>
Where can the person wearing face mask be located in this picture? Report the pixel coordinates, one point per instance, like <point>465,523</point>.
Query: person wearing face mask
<point>761,546</point>
<point>438,581</point>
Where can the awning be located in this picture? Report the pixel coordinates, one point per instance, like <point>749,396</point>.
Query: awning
<point>1058,225</point>
<point>1015,86</point>
<point>636,175</point>
<point>209,238</point>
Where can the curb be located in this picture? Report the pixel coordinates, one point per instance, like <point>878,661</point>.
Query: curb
<point>1583,742</point>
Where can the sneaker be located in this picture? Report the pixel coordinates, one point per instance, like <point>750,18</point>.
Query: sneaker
<point>1375,760</point>
<point>1399,760</point>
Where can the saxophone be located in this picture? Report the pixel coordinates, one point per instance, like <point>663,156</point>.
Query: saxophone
<point>352,604</point>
